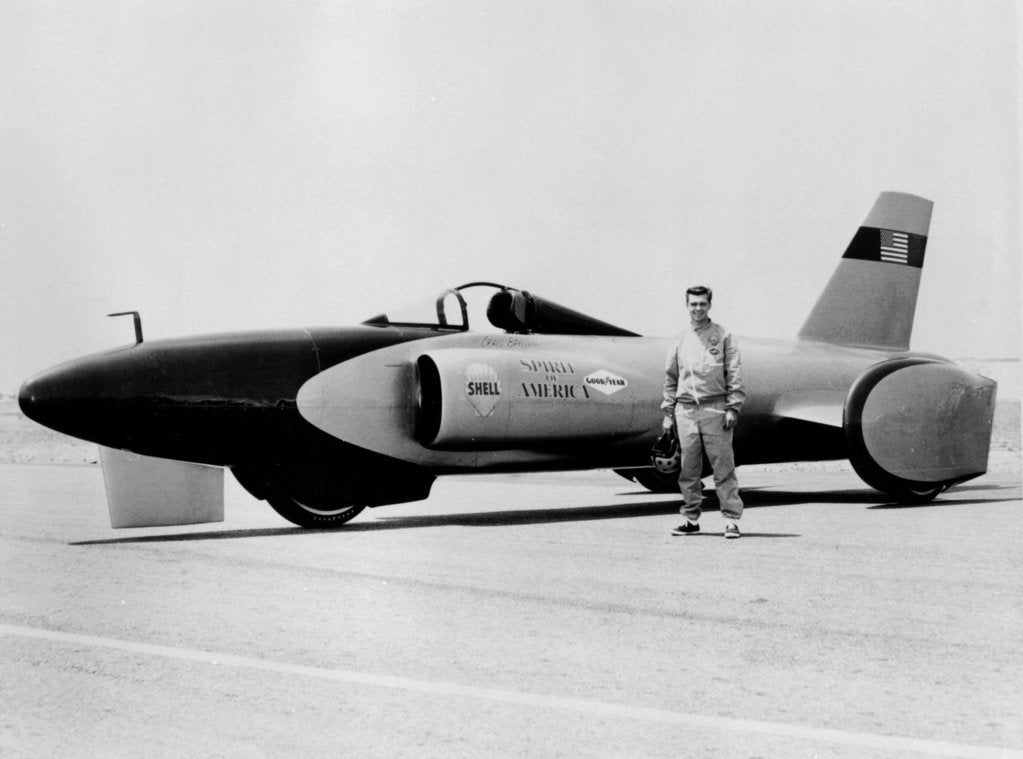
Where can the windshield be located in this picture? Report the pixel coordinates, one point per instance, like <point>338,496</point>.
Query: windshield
<point>497,308</point>
<point>451,309</point>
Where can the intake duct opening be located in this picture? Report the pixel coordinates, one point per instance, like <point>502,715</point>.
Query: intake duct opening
<point>429,403</point>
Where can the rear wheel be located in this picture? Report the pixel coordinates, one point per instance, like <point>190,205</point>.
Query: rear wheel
<point>320,516</point>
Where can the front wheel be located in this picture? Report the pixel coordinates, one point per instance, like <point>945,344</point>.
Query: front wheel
<point>910,495</point>
<point>316,517</point>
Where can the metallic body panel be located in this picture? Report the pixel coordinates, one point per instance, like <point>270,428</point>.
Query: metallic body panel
<point>373,402</point>
<point>916,422</point>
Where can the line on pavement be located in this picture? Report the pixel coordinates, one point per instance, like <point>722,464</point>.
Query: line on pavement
<point>536,700</point>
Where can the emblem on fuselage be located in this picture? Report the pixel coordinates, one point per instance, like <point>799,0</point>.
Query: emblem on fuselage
<point>606,382</point>
<point>482,388</point>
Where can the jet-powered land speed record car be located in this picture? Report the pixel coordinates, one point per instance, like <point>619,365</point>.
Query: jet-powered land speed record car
<point>322,423</point>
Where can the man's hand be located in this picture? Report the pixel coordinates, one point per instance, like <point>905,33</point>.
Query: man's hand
<point>731,419</point>
<point>667,424</point>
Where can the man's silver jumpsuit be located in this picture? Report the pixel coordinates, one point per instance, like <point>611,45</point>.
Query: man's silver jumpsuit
<point>703,379</point>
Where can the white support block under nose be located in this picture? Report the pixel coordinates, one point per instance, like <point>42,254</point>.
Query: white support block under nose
<point>143,491</point>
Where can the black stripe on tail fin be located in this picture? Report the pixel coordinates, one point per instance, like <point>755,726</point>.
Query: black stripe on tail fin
<point>870,300</point>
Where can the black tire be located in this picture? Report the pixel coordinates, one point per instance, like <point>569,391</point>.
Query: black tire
<point>912,495</point>
<point>320,517</point>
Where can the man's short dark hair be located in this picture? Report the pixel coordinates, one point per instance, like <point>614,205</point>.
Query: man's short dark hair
<point>700,290</point>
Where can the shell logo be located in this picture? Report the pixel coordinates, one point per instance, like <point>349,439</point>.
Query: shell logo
<point>605,382</point>
<point>482,388</point>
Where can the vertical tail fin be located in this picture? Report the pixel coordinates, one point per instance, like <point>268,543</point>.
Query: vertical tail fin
<point>870,300</point>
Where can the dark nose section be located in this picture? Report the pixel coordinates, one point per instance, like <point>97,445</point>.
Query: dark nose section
<point>80,398</point>
<point>45,398</point>
<point>62,399</point>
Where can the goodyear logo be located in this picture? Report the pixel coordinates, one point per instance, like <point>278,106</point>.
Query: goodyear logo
<point>482,388</point>
<point>606,382</point>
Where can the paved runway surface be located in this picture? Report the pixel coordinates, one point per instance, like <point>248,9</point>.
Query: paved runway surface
<point>540,615</point>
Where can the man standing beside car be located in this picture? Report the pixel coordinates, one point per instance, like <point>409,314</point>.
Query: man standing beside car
<point>703,397</point>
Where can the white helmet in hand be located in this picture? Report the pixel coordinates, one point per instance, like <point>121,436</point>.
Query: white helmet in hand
<point>666,455</point>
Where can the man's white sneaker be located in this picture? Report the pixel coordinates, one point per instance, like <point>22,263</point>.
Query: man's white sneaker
<point>731,531</point>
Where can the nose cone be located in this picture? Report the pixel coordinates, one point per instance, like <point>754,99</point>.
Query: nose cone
<point>46,398</point>
<point>78,398</point>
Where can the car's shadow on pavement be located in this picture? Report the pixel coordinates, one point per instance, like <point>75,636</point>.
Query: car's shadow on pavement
<point>664,505</point>
<point>478,519</point>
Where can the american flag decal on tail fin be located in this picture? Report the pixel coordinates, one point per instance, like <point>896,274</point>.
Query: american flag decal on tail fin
<point>894,247</point>
<point>888,246</point>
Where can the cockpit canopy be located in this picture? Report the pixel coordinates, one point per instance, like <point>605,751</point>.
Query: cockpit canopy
<point>507,309</point>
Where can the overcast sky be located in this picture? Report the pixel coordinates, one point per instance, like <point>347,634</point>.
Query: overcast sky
<point>240,165</point>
